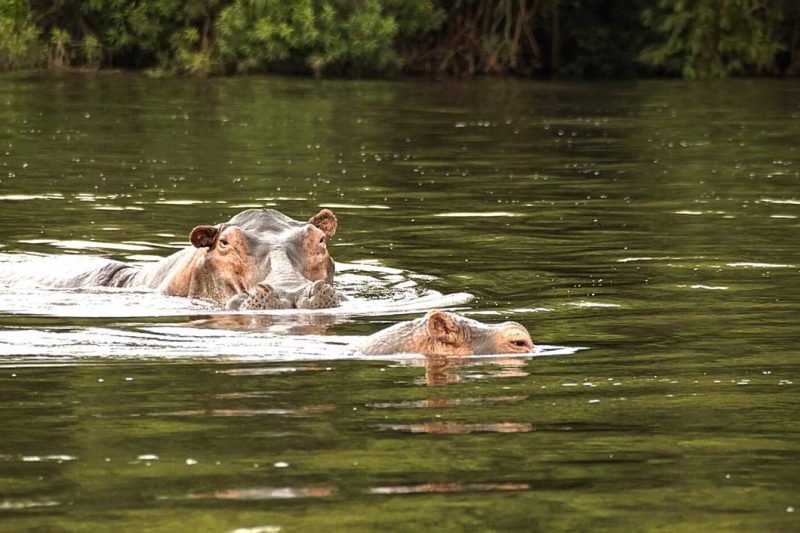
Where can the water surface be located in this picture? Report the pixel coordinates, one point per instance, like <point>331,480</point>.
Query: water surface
<point>644,232</point>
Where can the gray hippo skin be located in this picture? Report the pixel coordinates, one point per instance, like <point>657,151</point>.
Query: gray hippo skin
<point>259,259</point>
<point>441,333</point>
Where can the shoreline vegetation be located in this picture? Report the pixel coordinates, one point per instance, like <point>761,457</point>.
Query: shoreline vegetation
<point>692,39</point>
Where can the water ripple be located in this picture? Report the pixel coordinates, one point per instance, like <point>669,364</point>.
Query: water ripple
<point>439,488</point>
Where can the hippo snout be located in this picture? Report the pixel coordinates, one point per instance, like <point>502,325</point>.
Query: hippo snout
<point>512,337</point>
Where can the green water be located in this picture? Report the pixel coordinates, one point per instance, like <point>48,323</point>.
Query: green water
<point>652,224</point>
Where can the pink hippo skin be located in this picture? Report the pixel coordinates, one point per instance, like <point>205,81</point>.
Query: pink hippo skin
<point>441,333</point>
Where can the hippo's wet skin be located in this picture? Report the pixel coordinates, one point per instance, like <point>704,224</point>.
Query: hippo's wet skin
<point>259,259</point>
<point>442,333</point>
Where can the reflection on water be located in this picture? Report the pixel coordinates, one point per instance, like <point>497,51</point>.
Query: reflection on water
<point>266,493</point>
<point>15,505</point>
<point>439,403</point>
<point>449,487</point>
<point>644,232</point>
<point>448,428</point>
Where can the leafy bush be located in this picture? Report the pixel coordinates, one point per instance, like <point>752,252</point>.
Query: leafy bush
<point>58,51</point>
<point>689,38</point>
<point>92,51</point>
<point>19,41</point>
<point>325,36</point>
<point>702,39</point>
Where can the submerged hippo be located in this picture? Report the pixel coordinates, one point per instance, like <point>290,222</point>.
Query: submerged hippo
<point>442,333</point>
<point>259,259</point>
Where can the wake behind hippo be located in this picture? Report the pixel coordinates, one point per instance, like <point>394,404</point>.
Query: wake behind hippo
<point>259,259</point>
<point>440,333</point>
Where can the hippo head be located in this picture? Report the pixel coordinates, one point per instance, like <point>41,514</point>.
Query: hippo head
<point>440,333</point>
<point>451,334</point>
<point>261,249</point>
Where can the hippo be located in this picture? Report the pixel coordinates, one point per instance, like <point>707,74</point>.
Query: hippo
<point>440,333</point>
<point>259,259</point>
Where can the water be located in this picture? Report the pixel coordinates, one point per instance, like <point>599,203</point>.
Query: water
<point>644,232</point>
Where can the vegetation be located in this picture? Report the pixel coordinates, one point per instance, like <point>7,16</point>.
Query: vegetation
<point>18,35</point>
<point>590,38</point>
<point>701,38</point>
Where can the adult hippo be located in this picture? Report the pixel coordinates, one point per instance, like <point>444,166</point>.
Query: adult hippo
<point>259,259</point>
<point>440,333</point>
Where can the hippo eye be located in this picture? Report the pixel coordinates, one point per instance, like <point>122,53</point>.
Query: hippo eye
<point>322,240</point>
<point>520,344</point>
<point>223,241</point>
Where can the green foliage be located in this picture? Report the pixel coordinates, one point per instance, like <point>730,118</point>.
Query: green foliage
<point>136,33</point>
<point>92,51</point>
<point>19,38</point>
<point>689,38</point>
<point>321,35</point>
<point>187,57</point>
<point>704,39</point>
<point>59,44</point>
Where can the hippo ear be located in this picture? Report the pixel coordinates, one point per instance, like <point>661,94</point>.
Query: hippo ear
<point>326,221</point>
<point>204,236</point>
<point>441,327</point>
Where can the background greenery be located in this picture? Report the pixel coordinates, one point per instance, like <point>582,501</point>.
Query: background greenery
<point>576,38</point>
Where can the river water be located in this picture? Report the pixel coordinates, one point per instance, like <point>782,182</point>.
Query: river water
<point>644,232</point>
